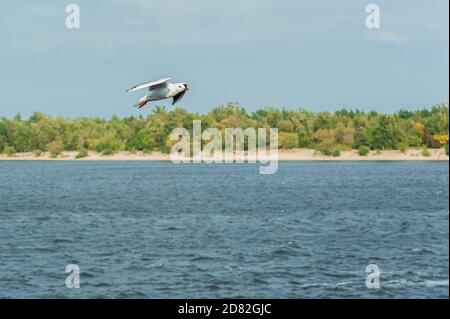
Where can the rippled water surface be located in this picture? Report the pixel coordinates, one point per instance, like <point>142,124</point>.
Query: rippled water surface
<point>159,230</point>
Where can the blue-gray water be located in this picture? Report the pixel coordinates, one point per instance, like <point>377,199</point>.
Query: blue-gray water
<point>159,230</point>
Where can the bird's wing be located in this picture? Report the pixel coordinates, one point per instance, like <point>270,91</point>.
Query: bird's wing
<point>178,97</point>
<point>149,85</point>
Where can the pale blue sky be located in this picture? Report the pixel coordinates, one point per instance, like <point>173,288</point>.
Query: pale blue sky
<point>312,53</point>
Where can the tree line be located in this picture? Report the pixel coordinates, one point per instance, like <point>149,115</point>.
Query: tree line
<point>329,133</point>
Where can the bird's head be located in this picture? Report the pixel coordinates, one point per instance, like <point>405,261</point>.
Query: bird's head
<point>182,87</point>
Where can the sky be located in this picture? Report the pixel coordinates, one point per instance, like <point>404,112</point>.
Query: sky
<point>316,54</point>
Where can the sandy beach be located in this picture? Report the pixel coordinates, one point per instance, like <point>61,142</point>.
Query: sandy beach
<point>284,155</point>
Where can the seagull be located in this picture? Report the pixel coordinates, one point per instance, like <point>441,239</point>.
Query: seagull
<point>160,90</point>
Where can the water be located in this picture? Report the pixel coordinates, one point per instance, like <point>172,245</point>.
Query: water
<point>159,230</point>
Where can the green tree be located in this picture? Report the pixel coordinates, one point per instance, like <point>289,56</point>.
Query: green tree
<point>287,140</point>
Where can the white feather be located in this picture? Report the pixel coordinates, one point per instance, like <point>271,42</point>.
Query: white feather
<point>150,85</point>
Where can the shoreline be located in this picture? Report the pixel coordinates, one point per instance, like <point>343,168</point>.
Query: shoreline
<point>283,155</point>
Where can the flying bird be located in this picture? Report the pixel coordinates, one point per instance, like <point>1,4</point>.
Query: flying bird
<point>160,90</point>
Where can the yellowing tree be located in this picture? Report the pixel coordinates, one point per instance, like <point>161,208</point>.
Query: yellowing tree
<point>419,129</point>
<point>442,139</point>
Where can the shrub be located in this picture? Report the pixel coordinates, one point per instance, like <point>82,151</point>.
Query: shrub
<point>108,151</point>
<point>55,148</point>
<point>82,153</point>
<point>336,153</point>
<point>329,149</point>
<point>403,147</point>
<point>37,153</point>
<point>9,151</point>
<point>363,151</point>
<point>425,151</point>
<point>165,150</point>
<point>344,148</point>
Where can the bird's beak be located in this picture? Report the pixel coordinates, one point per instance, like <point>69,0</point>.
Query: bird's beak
<point>186,87</point>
